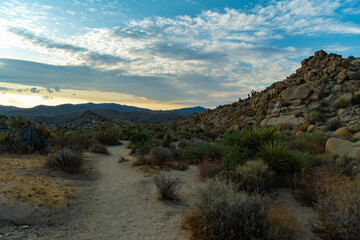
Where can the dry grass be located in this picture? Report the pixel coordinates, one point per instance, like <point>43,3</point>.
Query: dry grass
<point>282,224</point>
<point>336,197</point>
<point>167,187</point>
<point>19,181</point>
<point>339,210</point>
<point>149,171</point>
<point>207,169</point>
<point>219,212</point>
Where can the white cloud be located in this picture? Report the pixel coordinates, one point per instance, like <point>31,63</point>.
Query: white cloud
<point>216,52</point>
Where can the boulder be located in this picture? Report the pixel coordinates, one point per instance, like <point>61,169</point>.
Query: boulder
<point>341,76</point>
<point>296,92</point>
<point>356,135</point>
<point>290,121</point>
<point>355,127</point>
<point>354,75</point>
<point>340,147</point>
<point>342,133</point>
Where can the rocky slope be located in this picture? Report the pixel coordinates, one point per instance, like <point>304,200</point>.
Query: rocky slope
<point>322,95</point>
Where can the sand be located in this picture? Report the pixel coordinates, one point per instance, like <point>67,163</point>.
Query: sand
<point>123,204</point>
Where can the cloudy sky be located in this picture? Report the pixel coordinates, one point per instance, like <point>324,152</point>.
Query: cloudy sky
<point>162,54</point>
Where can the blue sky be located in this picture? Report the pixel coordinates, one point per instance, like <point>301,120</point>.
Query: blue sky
<point>162,54</point>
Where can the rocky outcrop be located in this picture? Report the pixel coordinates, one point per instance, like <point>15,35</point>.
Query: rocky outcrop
<point>323,93</point>
<point>87,119</point>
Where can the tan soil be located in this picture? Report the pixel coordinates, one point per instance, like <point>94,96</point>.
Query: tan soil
<point>123,204</point>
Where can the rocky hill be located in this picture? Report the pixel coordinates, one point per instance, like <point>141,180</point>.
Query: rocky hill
<point>323,94</point>
<point>87,119</point>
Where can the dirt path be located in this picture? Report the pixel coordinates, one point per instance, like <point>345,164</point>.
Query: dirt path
<point>122,204</point>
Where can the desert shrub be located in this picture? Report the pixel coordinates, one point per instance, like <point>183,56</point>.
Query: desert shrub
<point>233,156</point>
<point>282,224</point>
<point>107,137</point>
<point>274,154</point>
<point>184,143</point>
<point>76,141</point>
<point>315,116</point>
<point>219,211</point>
<point>126,132</point>
<point>9,143</point>
<point>140,138</point>
<point>66,159</point>
<point>167,187</point>
<point>283,161</point>
<point>339,210</point>
<point>348,166</point>
<point>19,122</point>
<point>316,183</point>
<point>253,176</point>
<point>309,142</point>
<point>234,139</point>
<point>183,133</point>
<point>160,155</point>
<point>98,148</point>
<point>201,152</point>
<point>168,138</point>
<point>208,169</point>
<point>254,138</point>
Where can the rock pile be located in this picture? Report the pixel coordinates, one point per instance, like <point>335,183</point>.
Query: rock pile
<point>87,119</point>
<point>322,95</point>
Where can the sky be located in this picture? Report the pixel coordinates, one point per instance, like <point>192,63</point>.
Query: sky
<point>162,54</point>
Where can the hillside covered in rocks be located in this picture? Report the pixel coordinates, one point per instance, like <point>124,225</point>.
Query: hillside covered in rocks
<point>323,94</point>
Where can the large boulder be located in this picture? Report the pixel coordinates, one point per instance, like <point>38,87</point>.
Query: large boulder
<point>297,92</point>
<point>340,147</point>
<point>342,133</point>
<point>290,121</point>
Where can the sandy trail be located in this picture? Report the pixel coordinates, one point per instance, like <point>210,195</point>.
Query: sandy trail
<point>123,204</point>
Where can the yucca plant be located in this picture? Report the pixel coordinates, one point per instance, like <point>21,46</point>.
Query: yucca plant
<point>9,143</point>
<point>275,155</point>
<point>282,160</point>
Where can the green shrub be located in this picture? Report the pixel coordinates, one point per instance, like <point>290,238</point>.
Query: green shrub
<point>283,161</point>
<point>309,142</point>
<point>107,137</point>
<point>140,138</point>
<point>233,156</point>
<point>254,138</point>
<point>76,141</point>
<point>9,143</point>
<point>234,139</point>
<point>201,152</point>
<point>19,122</point>
<point>168,138</point>
<point>66,160</point>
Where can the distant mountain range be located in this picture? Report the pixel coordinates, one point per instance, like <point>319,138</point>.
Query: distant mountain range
<point>116,112</point>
